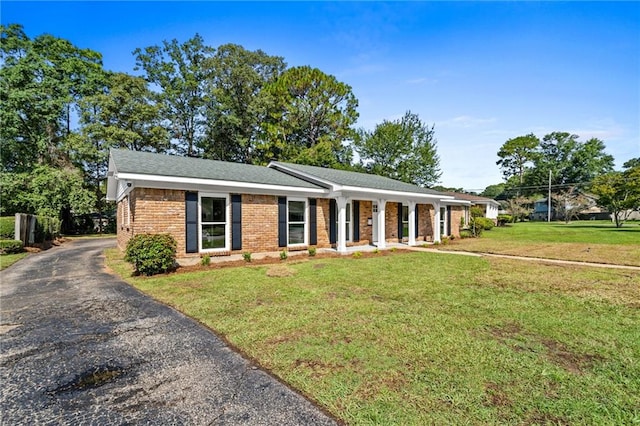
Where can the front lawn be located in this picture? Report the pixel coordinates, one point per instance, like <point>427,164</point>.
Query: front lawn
<point>429,338</point>
<point>7,260</point>
<point>587,241</point>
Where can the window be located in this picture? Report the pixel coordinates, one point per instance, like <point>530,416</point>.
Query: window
<point>297,222</point>
<point>405,221</point>
<point>347,223</point>
<point>443,220</point>
<point>213,222</point>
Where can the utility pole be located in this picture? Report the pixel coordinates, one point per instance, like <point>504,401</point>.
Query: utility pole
<point>549,200</point>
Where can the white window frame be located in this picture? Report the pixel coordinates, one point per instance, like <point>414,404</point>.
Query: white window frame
<point>405,221</point>
<point>348,221</point>
<point>443,220</point>
<point>305,223</point>
<point>126,216</point>
<point>227,224</point>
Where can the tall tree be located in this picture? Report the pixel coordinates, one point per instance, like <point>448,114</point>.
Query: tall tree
<point>493,191</point>
<point>517,155</point>
<point>568,160</point>
<point>310,118</point>
<point>123,115</point>
<point>180,71</point>
<point>42,81</point>
<point>403,149</point>
<point>234,113</point>
<point>619,192</point>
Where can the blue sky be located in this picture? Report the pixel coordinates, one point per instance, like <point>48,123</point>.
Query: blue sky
<point>482,72</point>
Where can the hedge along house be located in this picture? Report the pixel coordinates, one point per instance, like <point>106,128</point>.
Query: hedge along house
<point>218,208</point>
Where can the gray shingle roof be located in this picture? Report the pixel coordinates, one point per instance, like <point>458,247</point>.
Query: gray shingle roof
<point>146,163</point>
<point>360,180</point>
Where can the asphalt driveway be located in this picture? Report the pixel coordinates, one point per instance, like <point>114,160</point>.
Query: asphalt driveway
<point>80,346</point>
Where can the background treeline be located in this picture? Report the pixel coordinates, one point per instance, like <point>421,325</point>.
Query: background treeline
<point>61,112</point>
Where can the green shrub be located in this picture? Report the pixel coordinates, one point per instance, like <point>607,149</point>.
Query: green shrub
<point>283,255</point>
<point>151,253</point>
<point>357,255</point>
<point>47,228</point>
<point>206,260</point>
<point>312,251</point>
<point>466,233</point>
<point>246,256</point>
<point>487,224</point>
<point>7,227</point>
<point>11,246</point>
<point>503,219</point>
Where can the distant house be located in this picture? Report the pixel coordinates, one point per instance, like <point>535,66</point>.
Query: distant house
<point>590,211</point>
<point>489,205</point>
<point>219,208</point>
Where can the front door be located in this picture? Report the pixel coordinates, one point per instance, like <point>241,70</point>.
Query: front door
<point>374,223</point>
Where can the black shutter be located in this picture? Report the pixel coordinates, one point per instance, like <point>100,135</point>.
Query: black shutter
<point>236,222</point>
<point>448,220</point>
<point>400,222</point>
<point>191,221</point>
<point>282,221</point>
<point>313,222</point>
<point>332,221</point>
<point>356,221</point>
<point>417,222</point>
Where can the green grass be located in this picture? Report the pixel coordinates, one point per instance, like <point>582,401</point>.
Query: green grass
<point>428,338</point>
<point>7,260</point>
<point>602,232</point>
<point>587,241</point>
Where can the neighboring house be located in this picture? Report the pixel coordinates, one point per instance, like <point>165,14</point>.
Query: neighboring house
<point>489,205</point>
<point>219,208</point>
<point>541,210</point>
<point>589,211</point>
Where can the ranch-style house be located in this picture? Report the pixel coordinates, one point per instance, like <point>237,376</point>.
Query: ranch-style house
<point>219,208</point>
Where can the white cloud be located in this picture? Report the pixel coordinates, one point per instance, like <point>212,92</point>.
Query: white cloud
<point>421,80</point>
<point>465,121</point>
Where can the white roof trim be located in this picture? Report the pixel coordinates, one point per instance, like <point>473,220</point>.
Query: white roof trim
<point>304,175</point>
<point>394,194</point>
<point>214,182</point>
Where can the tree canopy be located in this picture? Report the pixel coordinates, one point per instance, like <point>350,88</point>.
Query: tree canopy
<point>619,192</point>
<point>403,149</point>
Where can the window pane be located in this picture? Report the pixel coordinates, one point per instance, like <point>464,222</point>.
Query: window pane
<point>296,233</point>
<point>348,212</point>
<point>405,213</point>
<point>296,211</point>
<point>213,209</point>
<point>405,229</point>
<point>212,236</point>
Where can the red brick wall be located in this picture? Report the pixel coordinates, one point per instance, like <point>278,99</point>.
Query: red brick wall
<point>259,223</point>
<point>425,222</point>
<point>366,231</point>
<point>457,212</point>
<point>322,218</point>
<point>391,222</point>
<point>163,211</point>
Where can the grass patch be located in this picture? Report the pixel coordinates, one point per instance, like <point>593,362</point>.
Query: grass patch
<point>586,241</point>
<point>428,338</point>
<point>7,260</point>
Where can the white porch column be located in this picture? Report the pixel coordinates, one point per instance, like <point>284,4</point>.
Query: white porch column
<point>412,223</point>
<point>382,243</point>
<point>341,203</point>
<point>436,223</point>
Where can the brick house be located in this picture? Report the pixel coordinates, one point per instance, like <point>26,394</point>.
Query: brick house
<point>219,208</point>
<point>489,206</point>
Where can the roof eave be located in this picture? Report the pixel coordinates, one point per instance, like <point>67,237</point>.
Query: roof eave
<point>240,186</point>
